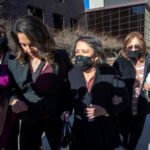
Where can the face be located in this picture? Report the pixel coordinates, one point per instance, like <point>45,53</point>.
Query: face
<point>134,45</point>
<point>26,45</point>
<point>83,49</point>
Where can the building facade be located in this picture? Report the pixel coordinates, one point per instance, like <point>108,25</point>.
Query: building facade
<point>90,4</point>
<point>58,14</point>
<point>121,19</point>
<point>114,2</point>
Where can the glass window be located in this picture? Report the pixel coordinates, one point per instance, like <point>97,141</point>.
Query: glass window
<point>35,12</point>
<point>142,9</point>
<point>62,1</point>
<point>118,21</point>
<point>136,10</point>
<point>58,21</point>
<point>74,23</point>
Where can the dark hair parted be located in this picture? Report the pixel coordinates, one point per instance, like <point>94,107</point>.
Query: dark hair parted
<point>128,40</point>
<point>38,34</point>
<point>95,44</point>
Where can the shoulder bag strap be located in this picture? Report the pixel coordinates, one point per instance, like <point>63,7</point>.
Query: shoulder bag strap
<point>38,70</point>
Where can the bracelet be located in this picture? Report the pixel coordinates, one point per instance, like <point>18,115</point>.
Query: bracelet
<point>107,115</point>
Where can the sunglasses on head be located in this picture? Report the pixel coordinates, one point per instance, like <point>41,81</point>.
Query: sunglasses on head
<point>130,47</point>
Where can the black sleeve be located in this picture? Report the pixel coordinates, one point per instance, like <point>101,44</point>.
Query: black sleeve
<point>13,88</point>
<point>119,89</point>
<point>116,66</point>
<point>68,102</point>
<point>65,64</point>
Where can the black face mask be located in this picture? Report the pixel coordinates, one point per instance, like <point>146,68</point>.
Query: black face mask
<point>84,62</point>
<point>3,41</point>
<point>134,54</point>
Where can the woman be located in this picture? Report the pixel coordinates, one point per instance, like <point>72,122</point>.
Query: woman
<point>132,64</point>
<point>39,72</point>
<point>93,84</point>
<point>9,126</point>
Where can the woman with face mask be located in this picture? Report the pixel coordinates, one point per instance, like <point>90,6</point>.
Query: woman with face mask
<point>132,64</point>
<point>93,83</point>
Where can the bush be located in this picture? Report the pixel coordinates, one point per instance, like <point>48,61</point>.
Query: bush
<point>65,40</point>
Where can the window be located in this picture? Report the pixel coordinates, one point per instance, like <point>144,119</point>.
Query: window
<point>35,12</point>
<point>58,21</point>
<point>62,1</point>
<point>118,21</point>
<point>74,23</point>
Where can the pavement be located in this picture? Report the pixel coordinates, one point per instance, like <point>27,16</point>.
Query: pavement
<point>143,144</point>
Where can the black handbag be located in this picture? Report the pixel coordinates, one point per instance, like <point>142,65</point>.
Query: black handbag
<point>66,139</point>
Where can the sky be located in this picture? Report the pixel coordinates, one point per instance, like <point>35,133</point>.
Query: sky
<point>86,4</point>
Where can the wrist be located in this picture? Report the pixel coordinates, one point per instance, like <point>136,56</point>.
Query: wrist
<point>106,114</point>
<point>13,101</point>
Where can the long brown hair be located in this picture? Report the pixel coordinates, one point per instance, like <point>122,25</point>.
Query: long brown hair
<point>37,33</point>
<point>128,39</point>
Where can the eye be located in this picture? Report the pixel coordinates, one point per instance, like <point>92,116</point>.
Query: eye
<point>137,46</point>
<point>23,44</point>
<point>129,47</point>
<point>76,51</point>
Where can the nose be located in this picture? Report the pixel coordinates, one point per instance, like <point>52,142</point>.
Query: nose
<point>133,49</point>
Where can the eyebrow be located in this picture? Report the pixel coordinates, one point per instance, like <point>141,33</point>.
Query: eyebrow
<point>83,49</point>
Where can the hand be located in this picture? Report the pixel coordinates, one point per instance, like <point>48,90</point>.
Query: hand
<point>147,86</point>
<point>116,100</point>
<point>18,106</point>
<point>65,116</point>
<point>95,111</point>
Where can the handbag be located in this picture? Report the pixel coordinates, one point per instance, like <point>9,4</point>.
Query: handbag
<point>66,138</point>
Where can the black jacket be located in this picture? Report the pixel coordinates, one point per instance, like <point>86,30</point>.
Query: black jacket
<point>97,133</point>
<point>106,84</point>
<point>53,100</point>
<point>128,73</point>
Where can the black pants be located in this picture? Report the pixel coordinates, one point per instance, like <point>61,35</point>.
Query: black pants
<point>96,135</point>
<point>12,141</point>
<point>30,134</point>
<point>131,130</point>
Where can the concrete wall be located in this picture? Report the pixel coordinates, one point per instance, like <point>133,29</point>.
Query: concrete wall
<point>114,2</point>
<point>69,9</point>
<point>147,29</point>
<point>96,3</point>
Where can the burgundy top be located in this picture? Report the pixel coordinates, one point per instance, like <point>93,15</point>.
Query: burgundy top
<point>89,83</point>
<point>43,79</point>
<point>42,83</point>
